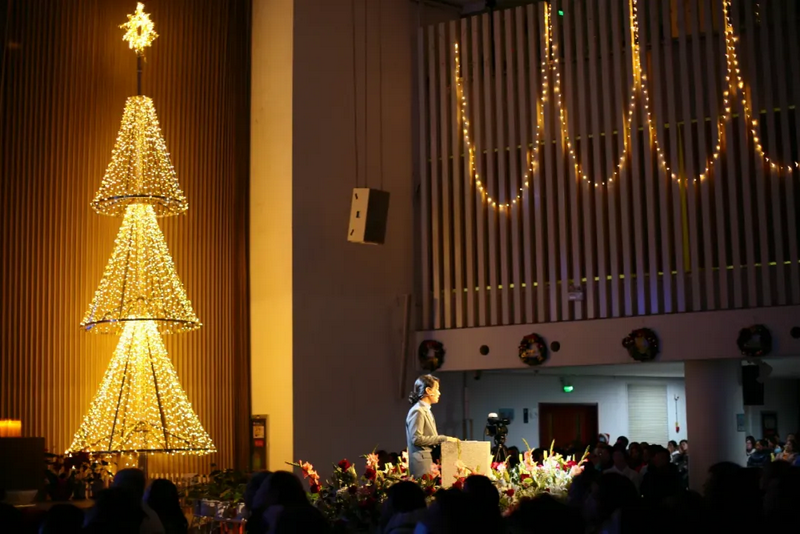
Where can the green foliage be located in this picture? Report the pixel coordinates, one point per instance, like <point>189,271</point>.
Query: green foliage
<point>224,485</point>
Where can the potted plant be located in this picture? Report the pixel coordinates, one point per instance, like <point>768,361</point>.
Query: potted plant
<point>221,496</point>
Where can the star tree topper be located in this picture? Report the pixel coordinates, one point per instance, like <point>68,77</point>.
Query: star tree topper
<point>140,31</point>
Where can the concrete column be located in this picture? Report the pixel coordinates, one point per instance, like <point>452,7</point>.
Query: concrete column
<point>271,236</point>
<point>713,398</point>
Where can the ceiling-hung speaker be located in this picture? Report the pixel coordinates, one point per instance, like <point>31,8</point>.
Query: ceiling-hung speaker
<point>368,214</point>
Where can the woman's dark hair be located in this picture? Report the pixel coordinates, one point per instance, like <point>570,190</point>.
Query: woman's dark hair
<point>405,497</point>
<point>420,385</point>
<point>116,509</point>
<point>751,439</point>
<point>255,482</point>
<point>282,488</point>
<point>162,496</point>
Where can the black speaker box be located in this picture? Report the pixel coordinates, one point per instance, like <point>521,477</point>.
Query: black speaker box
<point>368,214</point>
<point>752,389</point>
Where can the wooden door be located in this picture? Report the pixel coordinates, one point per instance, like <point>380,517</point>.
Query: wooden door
<point>567,424</point>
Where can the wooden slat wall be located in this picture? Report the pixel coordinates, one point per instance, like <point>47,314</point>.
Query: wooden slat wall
<point>66,76</point>
<point>601,211</point>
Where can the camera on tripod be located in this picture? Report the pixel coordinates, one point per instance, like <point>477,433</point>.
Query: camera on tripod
<point>497,427</point>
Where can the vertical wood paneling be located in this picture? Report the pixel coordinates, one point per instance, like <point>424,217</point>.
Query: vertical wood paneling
<point>651,175</point>
<point>480,207</point>
<point>635,181</point>
<point>470,191</point>
<point>501,179</point>
<point>689,167</point>
<point>66,75</point>
<point>456,147</point>
<point>491,182</point>
<point>766,101</point>
<point>526,76</point>
<point>791,212</point>
<point>587,195</point>
<point>572,173</point>
<point>561,175</point>
<point>537,205</point>
<point>728,178</point>
<point>598,137</point>
<point>715,60</point>
<point>446,87</point>
<point>513,211</point>
<point>624,85</point>
<point>436,241</point>
<point>752,72</point>
<point>425,160</point>
<point>701,77</point>
<point>550,128</point>
<point>597,204</point>
<point>677,180</point>
<point>747,202</point>
<point>662,175</point>
<point>610,124</point>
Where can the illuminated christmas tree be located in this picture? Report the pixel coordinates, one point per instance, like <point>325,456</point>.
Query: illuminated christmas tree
<point>140,406</point>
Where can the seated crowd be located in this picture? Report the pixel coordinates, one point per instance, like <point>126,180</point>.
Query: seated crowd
<point>624,488</point>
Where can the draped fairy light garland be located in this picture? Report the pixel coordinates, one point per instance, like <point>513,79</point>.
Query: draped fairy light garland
<point>532,160</point>
<point>734,82</point>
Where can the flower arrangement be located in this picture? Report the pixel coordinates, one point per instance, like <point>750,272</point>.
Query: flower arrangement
<point>528,479</point>
<point>352,501</point>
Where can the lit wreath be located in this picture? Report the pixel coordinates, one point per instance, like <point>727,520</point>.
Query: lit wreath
<point>431,355</point>
<point>755,341</point>
<point>532,350</point>
<point>641,344</point>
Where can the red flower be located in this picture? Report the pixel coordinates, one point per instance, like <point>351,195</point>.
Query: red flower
<point>314,488</point>
<point>459,484</point>
<point>429,490</point>
<point>569,465</point>
<point>370,474</point>
<point>344,465</point>
<point>524,476</point>
<point>427,476</point>
<point>352,490</point>
<point>510,492</point>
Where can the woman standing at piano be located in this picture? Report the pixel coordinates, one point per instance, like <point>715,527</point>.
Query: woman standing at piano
<point>421,434</point>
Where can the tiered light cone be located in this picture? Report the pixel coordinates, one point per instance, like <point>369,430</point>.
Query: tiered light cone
<point>140,406</point>
<point>140,171</point>
<point>140,281</point>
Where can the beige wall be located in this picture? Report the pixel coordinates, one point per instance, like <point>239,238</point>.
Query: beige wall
<point>348,306</point>
<point>271,230</point>
<point>332,388</point>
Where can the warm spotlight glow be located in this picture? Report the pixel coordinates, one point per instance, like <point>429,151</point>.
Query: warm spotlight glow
<point>139,30</point>
<point>140,406</point>
<point>140,171</point>
<point>140,281</point>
